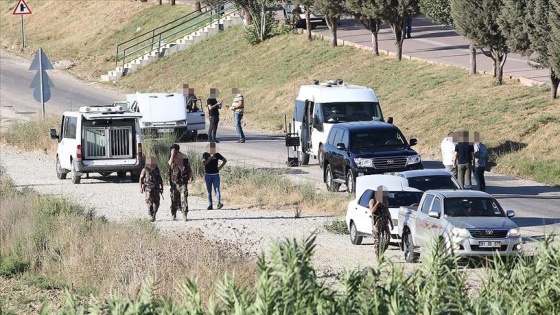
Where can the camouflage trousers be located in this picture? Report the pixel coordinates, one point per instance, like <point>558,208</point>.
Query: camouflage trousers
<point>179,194</point>
<point>381,236</point>
<point>152,199</point>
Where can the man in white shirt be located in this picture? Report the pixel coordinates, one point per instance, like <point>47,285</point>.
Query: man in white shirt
<point>237,106</point>
<point>448,153</point>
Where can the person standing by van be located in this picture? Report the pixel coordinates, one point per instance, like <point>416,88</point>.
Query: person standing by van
<point>381,216</point>
<point>237,106</point>
<point>212,174</point>
<point>480,156</point>
<point>214,116</point>
<point>448,154</point>
<point>464,160</point>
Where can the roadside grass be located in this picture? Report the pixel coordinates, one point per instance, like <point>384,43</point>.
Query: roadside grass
<point>287,283</point>
<point>337,227</point>
<point>55,244</point>
<point>86,32</point>
<point>32,134</point>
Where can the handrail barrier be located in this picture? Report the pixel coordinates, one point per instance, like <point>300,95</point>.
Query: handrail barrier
<point>174,30</point>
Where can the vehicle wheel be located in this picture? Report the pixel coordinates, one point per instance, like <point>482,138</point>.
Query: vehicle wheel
<point>408,247</point>
<point>304,158</point>
<point>121,174</point>
<point>60,173</point>
<point>134,177</point>
<point>351,182</point>
<point>105,174</point>
<point>329,180</point>
<point>75,177</point>
<point>354,237</point>
<point>321,156</point>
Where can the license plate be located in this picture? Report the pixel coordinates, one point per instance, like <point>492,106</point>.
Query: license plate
<point>165,130</point>
<point>489,244</point>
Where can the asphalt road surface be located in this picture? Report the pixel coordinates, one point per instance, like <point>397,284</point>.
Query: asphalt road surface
<point>537,206</point>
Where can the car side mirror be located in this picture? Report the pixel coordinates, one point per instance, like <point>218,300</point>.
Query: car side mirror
<point>433,214</point>
<point>413,141</point>
<point>53,134</point>
<point>390,120</point>
<point>510,213</point>
<point>340,146</point>
<point>317,124</point>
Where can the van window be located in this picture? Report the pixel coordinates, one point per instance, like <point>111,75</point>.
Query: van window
<point>70,124</point>
<point>427,203</point>
<point>366,196</point>
<point>339,138</point>
<point>351,111</point>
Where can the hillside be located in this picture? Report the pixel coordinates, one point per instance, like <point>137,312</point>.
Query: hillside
<point>427,101</point>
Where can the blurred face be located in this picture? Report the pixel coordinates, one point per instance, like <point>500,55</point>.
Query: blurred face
<point>382,195</point>
<point>211,148</point>
<point>151,161</point>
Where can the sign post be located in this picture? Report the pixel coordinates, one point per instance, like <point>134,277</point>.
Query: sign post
<point>41,81</point>
<point>22,9</point>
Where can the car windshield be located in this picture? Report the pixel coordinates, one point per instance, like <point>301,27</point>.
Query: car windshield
<point>432,182</point>
<point>404,198</point>
<point>352,111</point>
<point>376,138</point>
<point>472,207</point>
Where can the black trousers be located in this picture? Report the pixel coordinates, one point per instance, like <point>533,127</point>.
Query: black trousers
<point>213,128</point>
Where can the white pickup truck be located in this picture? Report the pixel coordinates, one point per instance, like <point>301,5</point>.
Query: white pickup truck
<point>167,113</point>
<point>471,223</point>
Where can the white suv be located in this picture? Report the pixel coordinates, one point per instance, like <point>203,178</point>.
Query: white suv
<point>99,139</point>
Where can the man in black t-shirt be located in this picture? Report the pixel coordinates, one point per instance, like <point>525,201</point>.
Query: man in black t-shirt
<point>464,159</point>
<point>214,116</point>
<point>212,174</point>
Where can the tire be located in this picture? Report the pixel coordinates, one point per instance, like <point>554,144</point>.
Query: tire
<point>134,177</point>
<point>329,180</point>
<point>121,174</point>
<point>351,181</point>
<point>304,158</point>
<point>75,178</point>
<point>321,156</point>
<point>354,237</point>
<point>60,173</point>
<point>408,246</point>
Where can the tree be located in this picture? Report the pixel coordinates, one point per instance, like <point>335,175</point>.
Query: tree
<point>395,12</point>
<point>554,44</point>
<point>197,6</point>
<point>478,22</point>
<point>364,13</point>
<point>307,4</point>
<point>439,11</point>
<point>331,9</point>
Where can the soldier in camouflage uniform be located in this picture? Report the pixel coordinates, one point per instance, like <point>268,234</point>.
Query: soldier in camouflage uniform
<point>379,208</point>
<point>180,173</point>
<point>151,185</point>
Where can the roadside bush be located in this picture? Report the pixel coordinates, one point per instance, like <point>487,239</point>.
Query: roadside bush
<point>32,134</point>
<point>287,284</point>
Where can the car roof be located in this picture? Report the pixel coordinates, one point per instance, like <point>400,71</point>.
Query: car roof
<point>365,125</point>
<point>424,172</point>
<point>391,182</point>
<point>336,93</point>
<point>450,193</point>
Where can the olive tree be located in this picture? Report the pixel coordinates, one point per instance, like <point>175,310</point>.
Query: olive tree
<point>331,9</point>
<point>439,11</point>
<point>395,13</point>
<point>478,22</point>
<point>307,4</point>
<point>364,13</point>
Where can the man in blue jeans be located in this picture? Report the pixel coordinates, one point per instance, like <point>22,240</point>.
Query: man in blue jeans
<point>237,106</point>
<point>212,174</point>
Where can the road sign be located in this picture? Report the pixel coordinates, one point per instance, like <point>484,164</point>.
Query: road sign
<point>21,8</point>
<point>41,82</point>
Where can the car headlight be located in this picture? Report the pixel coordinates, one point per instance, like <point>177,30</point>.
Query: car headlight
<point>460,232</point>
<point>361,162</point>
<point>514,232</point>
<point>181,123</point>
<point>413,159</point>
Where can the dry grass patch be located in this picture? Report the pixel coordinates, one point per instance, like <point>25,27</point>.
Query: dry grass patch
<point>32,134</point>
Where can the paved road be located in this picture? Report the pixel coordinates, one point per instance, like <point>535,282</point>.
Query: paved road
<point>537,205</point>
<point>436,43</point>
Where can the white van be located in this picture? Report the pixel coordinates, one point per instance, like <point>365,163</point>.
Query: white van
<point>166,113</point>
<point>320,105</point>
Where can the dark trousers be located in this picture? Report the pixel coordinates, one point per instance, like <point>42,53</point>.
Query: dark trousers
<point>479,176</point>
<point>464,175</point>
<point>213,128</point>
<point>408,26</point>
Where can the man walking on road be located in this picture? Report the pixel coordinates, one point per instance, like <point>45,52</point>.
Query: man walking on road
<point>151,185</point>
<point>381,216</point>
<point>180,173</point>
<point>237,107</point>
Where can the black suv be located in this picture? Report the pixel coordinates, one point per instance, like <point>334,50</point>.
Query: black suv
<point>364,148</point>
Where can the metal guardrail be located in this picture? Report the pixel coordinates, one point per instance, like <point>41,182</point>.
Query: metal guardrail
<point>174,30</point>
